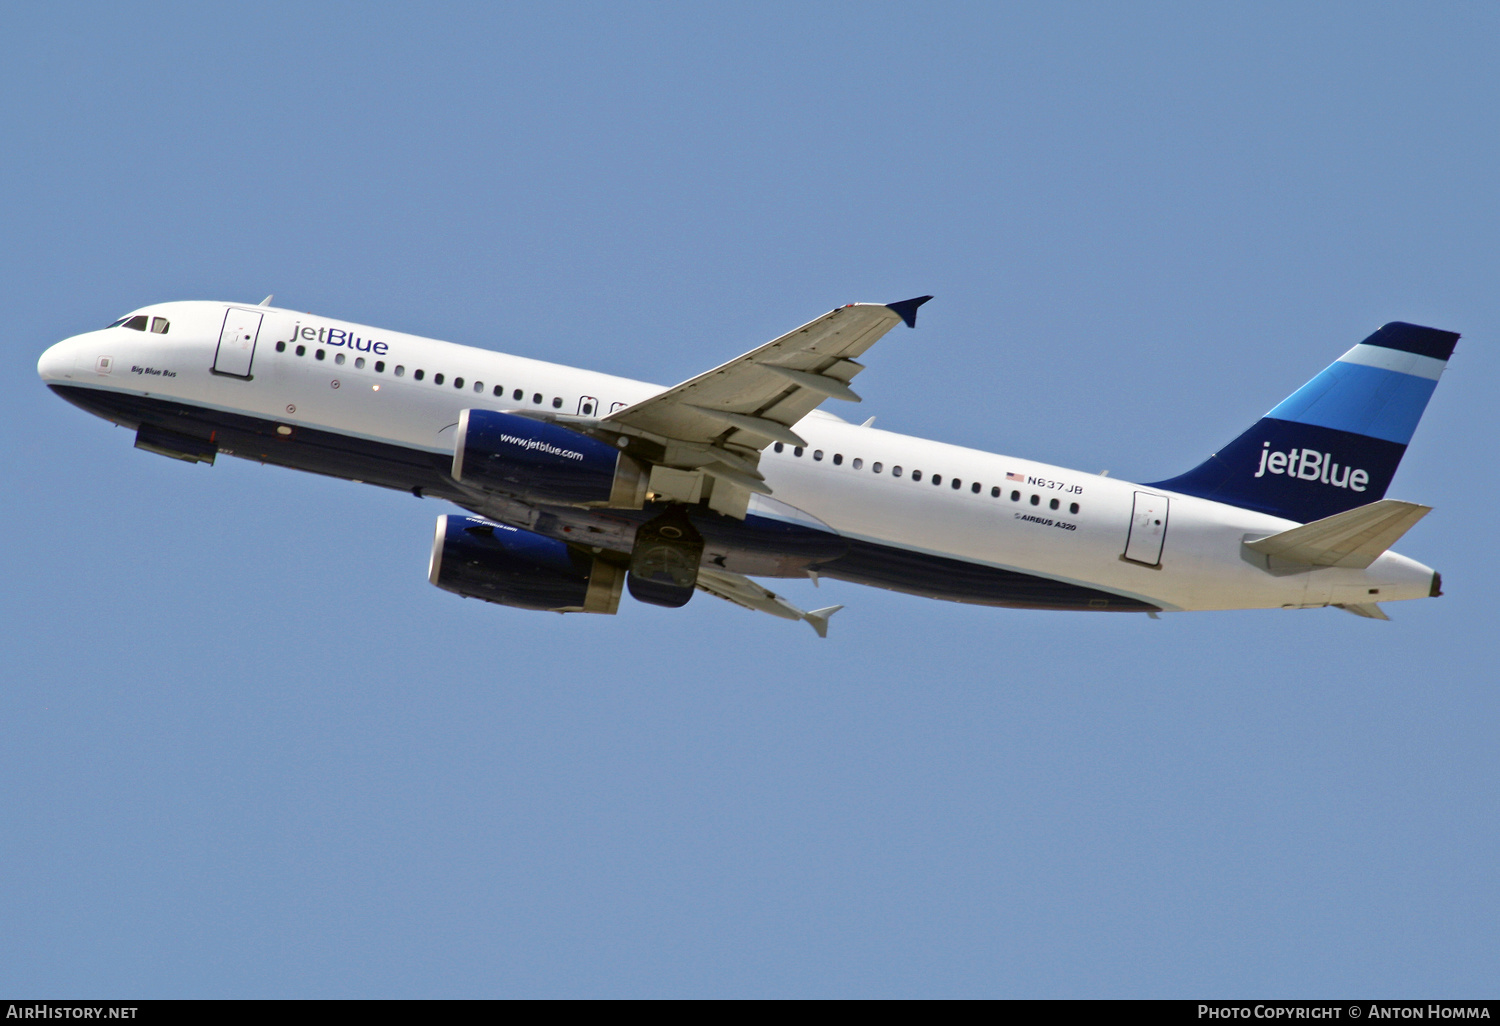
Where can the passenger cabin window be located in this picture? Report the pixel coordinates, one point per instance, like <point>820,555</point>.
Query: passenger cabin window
<point>417,375</point>
<point>437,379</point>
<point>877,467</point>
<point>779,446</point>
<point>1073,507</point>
<point>516,395</point>
<point>1036,500</point>
<point>159,325</point>
<point>379,366</point>
<point>499,391</point>
<point>916,475</point>
<point>479,386</point>
<point>974,487</point>
<point>557,402</point>
<point>858,463</point>
<point>319,354</point>
<point>994,492</point>
<point>359,363</point>
<point>457,382</point>
<point>338,358</point>
<point>281,347</point>
<point>817,454</point>
<point>536,397</point>
<point>797,450</point>
<point>896,471</point>
<point>1015,496</point>
<point>400,371</point>
<point>301,350</point>
<point>838,458</point>
<point>136,323</point>
<point>1053,504</point>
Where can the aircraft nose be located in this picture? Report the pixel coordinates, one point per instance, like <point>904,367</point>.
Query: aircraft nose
<point>57,362</point>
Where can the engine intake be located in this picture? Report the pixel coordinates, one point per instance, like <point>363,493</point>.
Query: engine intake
<point>544,462</point>
<point>477,558</point>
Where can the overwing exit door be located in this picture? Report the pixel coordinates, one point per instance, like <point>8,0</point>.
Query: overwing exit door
<point>1148,529</point>
<point>237,343</point>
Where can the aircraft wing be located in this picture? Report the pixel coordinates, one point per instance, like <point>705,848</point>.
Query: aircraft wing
<point>742,591</point>
<point>718,422</point>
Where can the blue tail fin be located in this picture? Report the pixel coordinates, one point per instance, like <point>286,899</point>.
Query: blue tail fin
<point>1334,443</point>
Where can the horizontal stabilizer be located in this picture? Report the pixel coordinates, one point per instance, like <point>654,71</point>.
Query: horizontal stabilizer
<point>1369,610</point>
<point>1352,539</point>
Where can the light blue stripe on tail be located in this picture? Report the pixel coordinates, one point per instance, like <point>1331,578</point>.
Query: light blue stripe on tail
<point>1361,400</point>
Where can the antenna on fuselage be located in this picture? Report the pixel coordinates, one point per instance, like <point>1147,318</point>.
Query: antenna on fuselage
<point>267,300</point>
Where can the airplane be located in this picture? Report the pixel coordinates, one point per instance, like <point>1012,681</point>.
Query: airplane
<point>579,486</point>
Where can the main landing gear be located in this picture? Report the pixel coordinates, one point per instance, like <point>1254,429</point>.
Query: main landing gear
<point>664,561</point>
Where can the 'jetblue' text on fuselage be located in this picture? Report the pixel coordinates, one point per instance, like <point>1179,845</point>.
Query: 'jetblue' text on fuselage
<point>339,337</point>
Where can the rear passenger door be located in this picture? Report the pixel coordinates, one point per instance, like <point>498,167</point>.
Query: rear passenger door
<point>1148,529</point>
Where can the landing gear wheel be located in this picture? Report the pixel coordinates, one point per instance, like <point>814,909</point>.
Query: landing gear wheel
<point>664,561</point>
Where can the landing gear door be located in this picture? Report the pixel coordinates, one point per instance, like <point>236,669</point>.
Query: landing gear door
<point>1148,529</point>
<point>237,343</point>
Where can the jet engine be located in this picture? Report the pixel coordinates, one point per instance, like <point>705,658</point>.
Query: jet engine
<point>540,461</point>
<point>477,558</point>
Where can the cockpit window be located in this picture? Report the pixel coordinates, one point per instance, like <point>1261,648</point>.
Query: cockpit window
<point>137,323</point>
<point>159,325</point>
<point>116,324</point>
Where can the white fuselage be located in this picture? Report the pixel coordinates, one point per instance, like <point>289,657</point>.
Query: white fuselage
<point>1029,527</point>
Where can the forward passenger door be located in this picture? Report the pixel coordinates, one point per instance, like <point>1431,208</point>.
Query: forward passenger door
<point>236,350</point>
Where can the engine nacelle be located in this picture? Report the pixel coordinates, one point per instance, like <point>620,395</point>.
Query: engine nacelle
<point>477,558</point>
<point>544,462</point>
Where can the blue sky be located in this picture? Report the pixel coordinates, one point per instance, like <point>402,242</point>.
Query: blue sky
<point>249,751</point>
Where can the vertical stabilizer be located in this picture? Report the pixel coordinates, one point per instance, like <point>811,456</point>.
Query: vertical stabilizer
<point>1335,443</point>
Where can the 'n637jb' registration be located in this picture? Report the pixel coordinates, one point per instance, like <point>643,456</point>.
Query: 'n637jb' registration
<point>579,486</point>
